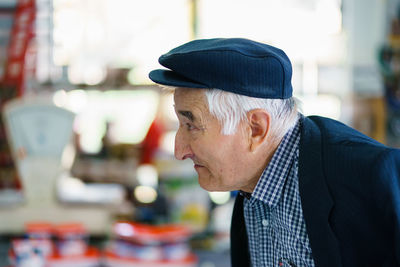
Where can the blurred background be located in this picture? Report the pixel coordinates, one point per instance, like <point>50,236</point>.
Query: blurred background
<point>87,173</point>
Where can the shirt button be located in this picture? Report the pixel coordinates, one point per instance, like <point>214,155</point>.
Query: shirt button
<point>264,222</point>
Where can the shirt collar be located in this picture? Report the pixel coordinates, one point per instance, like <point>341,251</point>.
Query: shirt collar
<point>270,185</point>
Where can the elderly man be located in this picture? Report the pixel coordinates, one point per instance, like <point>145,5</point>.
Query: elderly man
<point>313,192</point>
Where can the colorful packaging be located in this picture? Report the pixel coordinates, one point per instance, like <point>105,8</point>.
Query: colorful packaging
<point>71,239</point>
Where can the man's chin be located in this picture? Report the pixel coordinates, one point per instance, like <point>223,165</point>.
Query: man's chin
<point>207,181</point>
<point>204,181</point>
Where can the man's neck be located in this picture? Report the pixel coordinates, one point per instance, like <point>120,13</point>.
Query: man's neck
<point>261,162</point>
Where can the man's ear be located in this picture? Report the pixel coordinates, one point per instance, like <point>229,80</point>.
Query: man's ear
<point>259,123</point>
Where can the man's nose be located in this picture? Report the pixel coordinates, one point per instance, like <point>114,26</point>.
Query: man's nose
<point>182,147</point>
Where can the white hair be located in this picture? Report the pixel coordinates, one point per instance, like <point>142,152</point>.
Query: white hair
<point>230,109</point>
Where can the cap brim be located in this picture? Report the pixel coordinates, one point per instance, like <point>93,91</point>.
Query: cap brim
<point>170,78</point>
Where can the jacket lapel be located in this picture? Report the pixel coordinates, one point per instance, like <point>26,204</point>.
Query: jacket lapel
<point>315,197</point>
<point>240,255</point>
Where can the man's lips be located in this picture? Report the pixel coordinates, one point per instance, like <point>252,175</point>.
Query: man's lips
<point>198,166</point>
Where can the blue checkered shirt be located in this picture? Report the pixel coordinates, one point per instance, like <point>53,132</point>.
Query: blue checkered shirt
<point>274,218</point>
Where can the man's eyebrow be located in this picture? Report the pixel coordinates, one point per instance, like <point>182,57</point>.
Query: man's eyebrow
<point>186,114</point>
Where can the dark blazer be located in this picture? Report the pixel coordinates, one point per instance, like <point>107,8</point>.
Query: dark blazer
<point>350,193</point>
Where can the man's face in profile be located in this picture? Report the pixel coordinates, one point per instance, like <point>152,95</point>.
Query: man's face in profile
<point>219,160</point>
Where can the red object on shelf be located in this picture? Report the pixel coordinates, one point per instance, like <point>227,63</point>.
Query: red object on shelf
<point>113,260</point>
<point>151,142</point>
<point>62,230</point>
<point>149,234</point>
<point>71,239</point>
<point>21,34</point>
<point>39,228</point>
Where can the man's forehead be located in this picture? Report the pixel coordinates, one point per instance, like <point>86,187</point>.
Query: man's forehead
<point>190,103</point>
<point>188,92</point>
<point>187,98</point>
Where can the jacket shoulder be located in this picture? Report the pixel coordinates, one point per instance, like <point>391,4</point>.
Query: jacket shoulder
<point>337,132</point>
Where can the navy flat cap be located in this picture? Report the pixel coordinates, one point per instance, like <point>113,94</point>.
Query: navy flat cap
<point>236,65</point>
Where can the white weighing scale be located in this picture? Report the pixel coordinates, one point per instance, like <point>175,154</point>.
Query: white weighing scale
<point>39,132</point>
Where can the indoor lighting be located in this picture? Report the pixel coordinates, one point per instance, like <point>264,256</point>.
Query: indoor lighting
<point>60,98</point>
<point>147,175</point>
<point>145,194</point>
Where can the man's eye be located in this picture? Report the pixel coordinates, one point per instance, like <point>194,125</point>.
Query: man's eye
<point>190,127</point>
